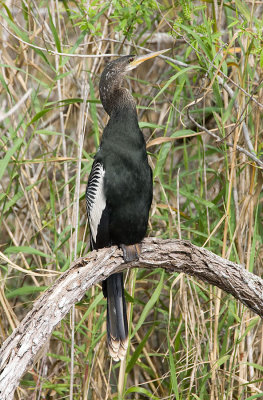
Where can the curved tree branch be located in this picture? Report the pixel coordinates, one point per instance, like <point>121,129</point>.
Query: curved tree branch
<point>19,350</point>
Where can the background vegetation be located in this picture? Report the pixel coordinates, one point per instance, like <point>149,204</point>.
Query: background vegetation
<point>188,340</point>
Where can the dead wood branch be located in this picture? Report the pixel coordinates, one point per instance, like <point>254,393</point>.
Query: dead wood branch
<point>19,350</point>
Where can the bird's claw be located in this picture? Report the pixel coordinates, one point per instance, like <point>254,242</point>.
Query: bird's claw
<point>131,252</point>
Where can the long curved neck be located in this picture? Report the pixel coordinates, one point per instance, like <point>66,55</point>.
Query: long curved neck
<point>122,129</point>
<point>113,96</point>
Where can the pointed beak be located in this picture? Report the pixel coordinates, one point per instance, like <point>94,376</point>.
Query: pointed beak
<point>140,59</point>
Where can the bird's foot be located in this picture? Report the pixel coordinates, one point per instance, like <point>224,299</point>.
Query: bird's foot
<point>131,252</point>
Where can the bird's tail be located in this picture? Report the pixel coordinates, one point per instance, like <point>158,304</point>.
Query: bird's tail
<point>117,326</point>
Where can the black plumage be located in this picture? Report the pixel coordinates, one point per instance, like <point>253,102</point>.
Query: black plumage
<point>119,191</point>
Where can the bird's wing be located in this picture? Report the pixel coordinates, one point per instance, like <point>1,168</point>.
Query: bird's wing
<point>95,198</point>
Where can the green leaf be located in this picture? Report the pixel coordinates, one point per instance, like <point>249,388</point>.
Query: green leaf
<point>255,396</point>
<point>93,112</point>
<point>54,32</point>
<point>43,56</point>
<point>173,372</point>
<point>19,195</point>
<point>256,366</point>
<point>144,124</point>
<point>15,28</point>
<point>48,132</point>
<point>9,154</point>
<point>25,249</point>
<point>137,389</point>
<point>25,290</point>
<point>261,59</point>
<point>93,304</point>
<point>255,240</point>
<point>59,357</point>
<point>8,11</point>
<point>2,80</point>
<point>161,160</point>
<point>2,196</point>
<point>39,82</point>
<point>243,9</point>
<point>179,73</point>
<point>197,199</point>
<point>138,351</point>
<point>64,75</point>
<point>65,102</point>
<point>74,48</point>
<point>39,115</point>
<point>150,304</point>
<point>251,324</point>
<point>222,360</point>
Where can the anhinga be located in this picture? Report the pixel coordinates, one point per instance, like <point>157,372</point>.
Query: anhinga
<point>119,190</point>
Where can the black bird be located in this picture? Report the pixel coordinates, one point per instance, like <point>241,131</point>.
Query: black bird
<point>119,190</point>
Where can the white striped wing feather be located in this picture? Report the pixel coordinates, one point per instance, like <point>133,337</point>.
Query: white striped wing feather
<point>95,197</point>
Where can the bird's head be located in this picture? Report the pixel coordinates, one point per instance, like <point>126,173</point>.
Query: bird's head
<point>124,64</point>
<point>112,76</point>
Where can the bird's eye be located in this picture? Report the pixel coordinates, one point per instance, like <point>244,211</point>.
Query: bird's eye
<point>131,59</point>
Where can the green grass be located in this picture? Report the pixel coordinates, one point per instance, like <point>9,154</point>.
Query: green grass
<point>188,340</point>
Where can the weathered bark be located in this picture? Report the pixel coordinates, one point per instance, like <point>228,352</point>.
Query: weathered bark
<point>19,350</point>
